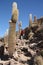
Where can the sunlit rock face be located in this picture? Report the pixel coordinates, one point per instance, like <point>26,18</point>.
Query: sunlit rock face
<point>14,12</point>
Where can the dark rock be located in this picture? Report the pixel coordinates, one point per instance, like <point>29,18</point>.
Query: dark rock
<point>1,48</point>
<point>26,52</point>
<point>4,57</point>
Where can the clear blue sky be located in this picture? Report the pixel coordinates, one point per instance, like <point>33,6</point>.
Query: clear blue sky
<point>25,8</point>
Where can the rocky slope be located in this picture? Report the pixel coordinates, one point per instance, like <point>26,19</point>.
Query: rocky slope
<point>27,52</point>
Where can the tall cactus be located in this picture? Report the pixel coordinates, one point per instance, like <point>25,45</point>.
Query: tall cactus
<point>30,20</point>
<point>12,29</point>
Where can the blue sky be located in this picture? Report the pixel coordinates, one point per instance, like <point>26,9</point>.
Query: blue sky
<point>25,8</point>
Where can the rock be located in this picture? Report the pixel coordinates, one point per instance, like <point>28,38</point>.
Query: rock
<point>33,46</point>
<point>4,62</point>
<point>26,52</point>
<point>1,48</point>
<point>15,55</point>
<point>23,58</point>
<point>32,52</point>
<point>12,62</point>
<point>40,45</point>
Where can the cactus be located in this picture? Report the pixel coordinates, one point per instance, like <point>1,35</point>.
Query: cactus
<point>14,12</point>
<point>12,30</point>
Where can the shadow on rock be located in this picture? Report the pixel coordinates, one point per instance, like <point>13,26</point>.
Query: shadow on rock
<point>31,61</point>
<point>26,52</point>
<point>4,57</point>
